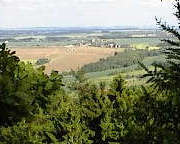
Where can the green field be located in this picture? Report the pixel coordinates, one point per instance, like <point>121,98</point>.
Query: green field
<point>131,73</point>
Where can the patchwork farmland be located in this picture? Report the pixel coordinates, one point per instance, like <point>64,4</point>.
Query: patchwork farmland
<point>64,58</point>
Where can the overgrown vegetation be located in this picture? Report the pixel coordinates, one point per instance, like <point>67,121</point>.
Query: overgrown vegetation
<point>39,108</point>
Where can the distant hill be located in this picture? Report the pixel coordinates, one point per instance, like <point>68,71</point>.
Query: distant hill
<point>80,28</point>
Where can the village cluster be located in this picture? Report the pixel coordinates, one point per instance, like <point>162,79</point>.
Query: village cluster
<point>102,43</point>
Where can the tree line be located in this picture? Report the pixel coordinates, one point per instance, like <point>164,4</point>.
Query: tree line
<point>38,108</point>
<point>120,60</point>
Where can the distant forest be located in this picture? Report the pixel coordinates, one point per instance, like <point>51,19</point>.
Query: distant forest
<point>120,60</point>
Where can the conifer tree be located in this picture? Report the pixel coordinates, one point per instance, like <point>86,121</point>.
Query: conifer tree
<point>166,76</point>
<point>166,79</point>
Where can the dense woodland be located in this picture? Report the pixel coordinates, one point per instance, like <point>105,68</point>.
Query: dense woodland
<point>39,108</point>
<point>121,60</point>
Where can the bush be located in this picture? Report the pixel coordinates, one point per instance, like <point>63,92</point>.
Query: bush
<point>42,61</point>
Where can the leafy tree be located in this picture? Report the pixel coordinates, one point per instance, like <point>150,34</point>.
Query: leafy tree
<point>23,89</point>
<point>40,130</point>
<point>14,103</point>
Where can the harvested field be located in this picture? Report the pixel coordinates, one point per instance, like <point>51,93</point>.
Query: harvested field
<point>65,58</point>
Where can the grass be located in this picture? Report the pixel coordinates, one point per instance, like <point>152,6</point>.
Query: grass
<point>131,74</point>
<point>30,61</point>
<point>133,80</point>
<point>144,46</point>
<point>139,41</point>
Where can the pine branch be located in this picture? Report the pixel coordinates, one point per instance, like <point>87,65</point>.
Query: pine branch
<point>171,42</point>
<point>177,13</point>
<point>168,29</point>
<point>144,67</point>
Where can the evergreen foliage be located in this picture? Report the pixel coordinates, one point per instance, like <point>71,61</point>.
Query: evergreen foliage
<point>120,60</point>
<point>166,76</point>
<point>37,108</point>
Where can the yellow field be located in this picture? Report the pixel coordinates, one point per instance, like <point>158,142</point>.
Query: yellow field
<point>65,58</point>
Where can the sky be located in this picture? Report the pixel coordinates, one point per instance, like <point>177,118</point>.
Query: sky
<point>80,13</point>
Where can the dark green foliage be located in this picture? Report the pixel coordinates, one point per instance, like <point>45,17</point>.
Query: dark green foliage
<point>79,75</point>
<point>13,102</point>
<point>118,84</point>
<point>36,108</point>
<point>92,114</point>
<point>65,114</point>
<point>38,131</point>
<point>157,118</point>
<point>8,61</point>
<point>166,79</point>
<point>94,107</point>
<point>23,89</point>
<point>166,76</point>
<point>42,61</point>
<point>120,60</point>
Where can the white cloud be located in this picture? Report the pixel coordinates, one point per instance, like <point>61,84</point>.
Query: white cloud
<point>155,3</point>
<point>92,1</point>
<point>80,12</point>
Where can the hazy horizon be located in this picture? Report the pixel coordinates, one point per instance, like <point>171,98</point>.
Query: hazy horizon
<point>83,13</point>
<point>120,27</point>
